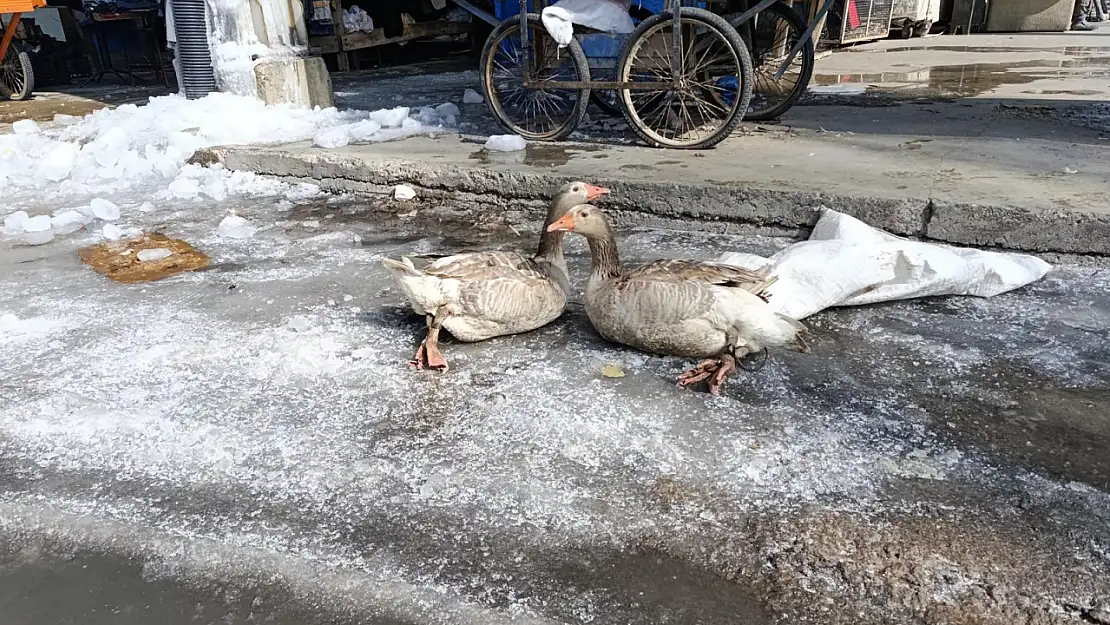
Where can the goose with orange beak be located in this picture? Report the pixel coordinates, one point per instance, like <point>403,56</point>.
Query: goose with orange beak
<point>480,295</point>
<point>686,308</point>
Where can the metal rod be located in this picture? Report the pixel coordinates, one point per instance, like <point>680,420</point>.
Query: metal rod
<point>479,13</point>
<point>676,38</point>
<point>601,84</point>
<point>525,43</point>
<point>750,13</point>
<point>806,36</point>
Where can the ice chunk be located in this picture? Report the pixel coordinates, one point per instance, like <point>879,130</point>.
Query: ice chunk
<point>38,223</point>
<point>13,224</point>
<point>184,188</point>
<point>112,232</point>
<point>336,137</point>
<point>151,255</point>
<point>403,192</point>
<point>68,222</point>
<point>25,127</point>
<point>411,125</point>
<point>36,230</point>
<point>108,147</point>
<point>146,207</point>
<point>300,323</point>
<point>235,227</point>
<point>471,96</point>
<point>505,143</point>
<point>390,118</point>
<point>363,130</point>
<point>59,162</point>
<point>447,109</point>
<point>427,116</point>
<point>103,209</point>
<point>62,119</point>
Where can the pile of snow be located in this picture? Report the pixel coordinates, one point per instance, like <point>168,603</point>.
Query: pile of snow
<point>505,143</point>
<point>134,152</point>
<point>132,148</point>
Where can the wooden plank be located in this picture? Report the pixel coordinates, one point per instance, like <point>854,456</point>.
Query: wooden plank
<point>419,30</point>
<point>342,60</point>
<point>323,44</point>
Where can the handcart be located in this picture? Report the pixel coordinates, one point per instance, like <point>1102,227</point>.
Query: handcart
<point>17,77</point>
<point>684,78</point>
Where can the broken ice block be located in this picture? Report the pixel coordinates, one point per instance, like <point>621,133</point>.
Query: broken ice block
<point>103,209</point>
<point>235,227</point>
<point>505,143</point>
<point>471,96</point>
<point>151,255</point>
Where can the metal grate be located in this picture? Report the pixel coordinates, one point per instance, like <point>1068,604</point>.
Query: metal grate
<point>851,21</point>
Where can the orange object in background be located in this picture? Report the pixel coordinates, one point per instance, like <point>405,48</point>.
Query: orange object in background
<point>15,7</point>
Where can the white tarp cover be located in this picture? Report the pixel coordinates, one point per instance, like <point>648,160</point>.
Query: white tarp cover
<point>604,15</point>
<point>846,262</point>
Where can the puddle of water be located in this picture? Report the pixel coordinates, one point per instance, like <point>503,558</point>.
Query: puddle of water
<point>1067,50</point>
<point>536,155</point>
<point>967,80</point>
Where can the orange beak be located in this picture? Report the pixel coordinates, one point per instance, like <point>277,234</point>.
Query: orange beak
<point>562,224</point>
<point>592,192</point>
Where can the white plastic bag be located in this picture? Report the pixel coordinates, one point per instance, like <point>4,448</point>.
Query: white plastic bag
<point>848,263</point>
<point>610,17</point>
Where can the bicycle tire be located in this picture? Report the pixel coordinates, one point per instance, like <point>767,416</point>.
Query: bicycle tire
<point>797,27</point>
<point>744,86</point>
<point>16,65</point>
<point>493,100</point>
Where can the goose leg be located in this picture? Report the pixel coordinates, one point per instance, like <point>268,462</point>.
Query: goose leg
<point>433,358</point>
<point>702,371</point>
<point>726,368</point>
<point>428,354</point>
<point>418,360</point>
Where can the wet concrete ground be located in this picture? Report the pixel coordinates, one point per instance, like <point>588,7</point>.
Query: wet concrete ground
<point>246,443</point>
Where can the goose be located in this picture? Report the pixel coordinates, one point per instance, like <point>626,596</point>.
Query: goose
<point>479,295</point>
<point>686,308</point>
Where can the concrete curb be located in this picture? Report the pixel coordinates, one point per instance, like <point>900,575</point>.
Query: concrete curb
<point>698,205</point>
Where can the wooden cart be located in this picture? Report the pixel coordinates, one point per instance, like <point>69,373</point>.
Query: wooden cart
<point>17,78</point>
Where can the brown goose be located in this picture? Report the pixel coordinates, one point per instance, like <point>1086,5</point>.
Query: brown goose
<point>679,307</point>
<point>480,295</point>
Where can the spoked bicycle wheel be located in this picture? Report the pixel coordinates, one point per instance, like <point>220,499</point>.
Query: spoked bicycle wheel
<point>710,93</point>
<point>772,35</point>
<point>536,113</point>
<point>17,77</point>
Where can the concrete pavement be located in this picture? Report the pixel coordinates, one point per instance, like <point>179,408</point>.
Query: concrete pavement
<point>968,140</point>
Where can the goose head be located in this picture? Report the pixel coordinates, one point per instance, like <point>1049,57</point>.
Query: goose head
<point>583,219</point>
<point>574,193</point>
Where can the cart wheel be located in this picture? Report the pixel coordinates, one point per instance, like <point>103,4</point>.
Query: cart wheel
<point>538,114</point>
<point>711,92</point>
<point>17,77</point>
<point>775,31</point>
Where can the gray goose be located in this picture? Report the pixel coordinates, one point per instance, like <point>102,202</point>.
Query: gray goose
<point>479,295</point>
<point>684,308</point>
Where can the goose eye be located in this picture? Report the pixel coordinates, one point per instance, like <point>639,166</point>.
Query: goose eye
<point>577,189</point>
<point>585,213</point>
